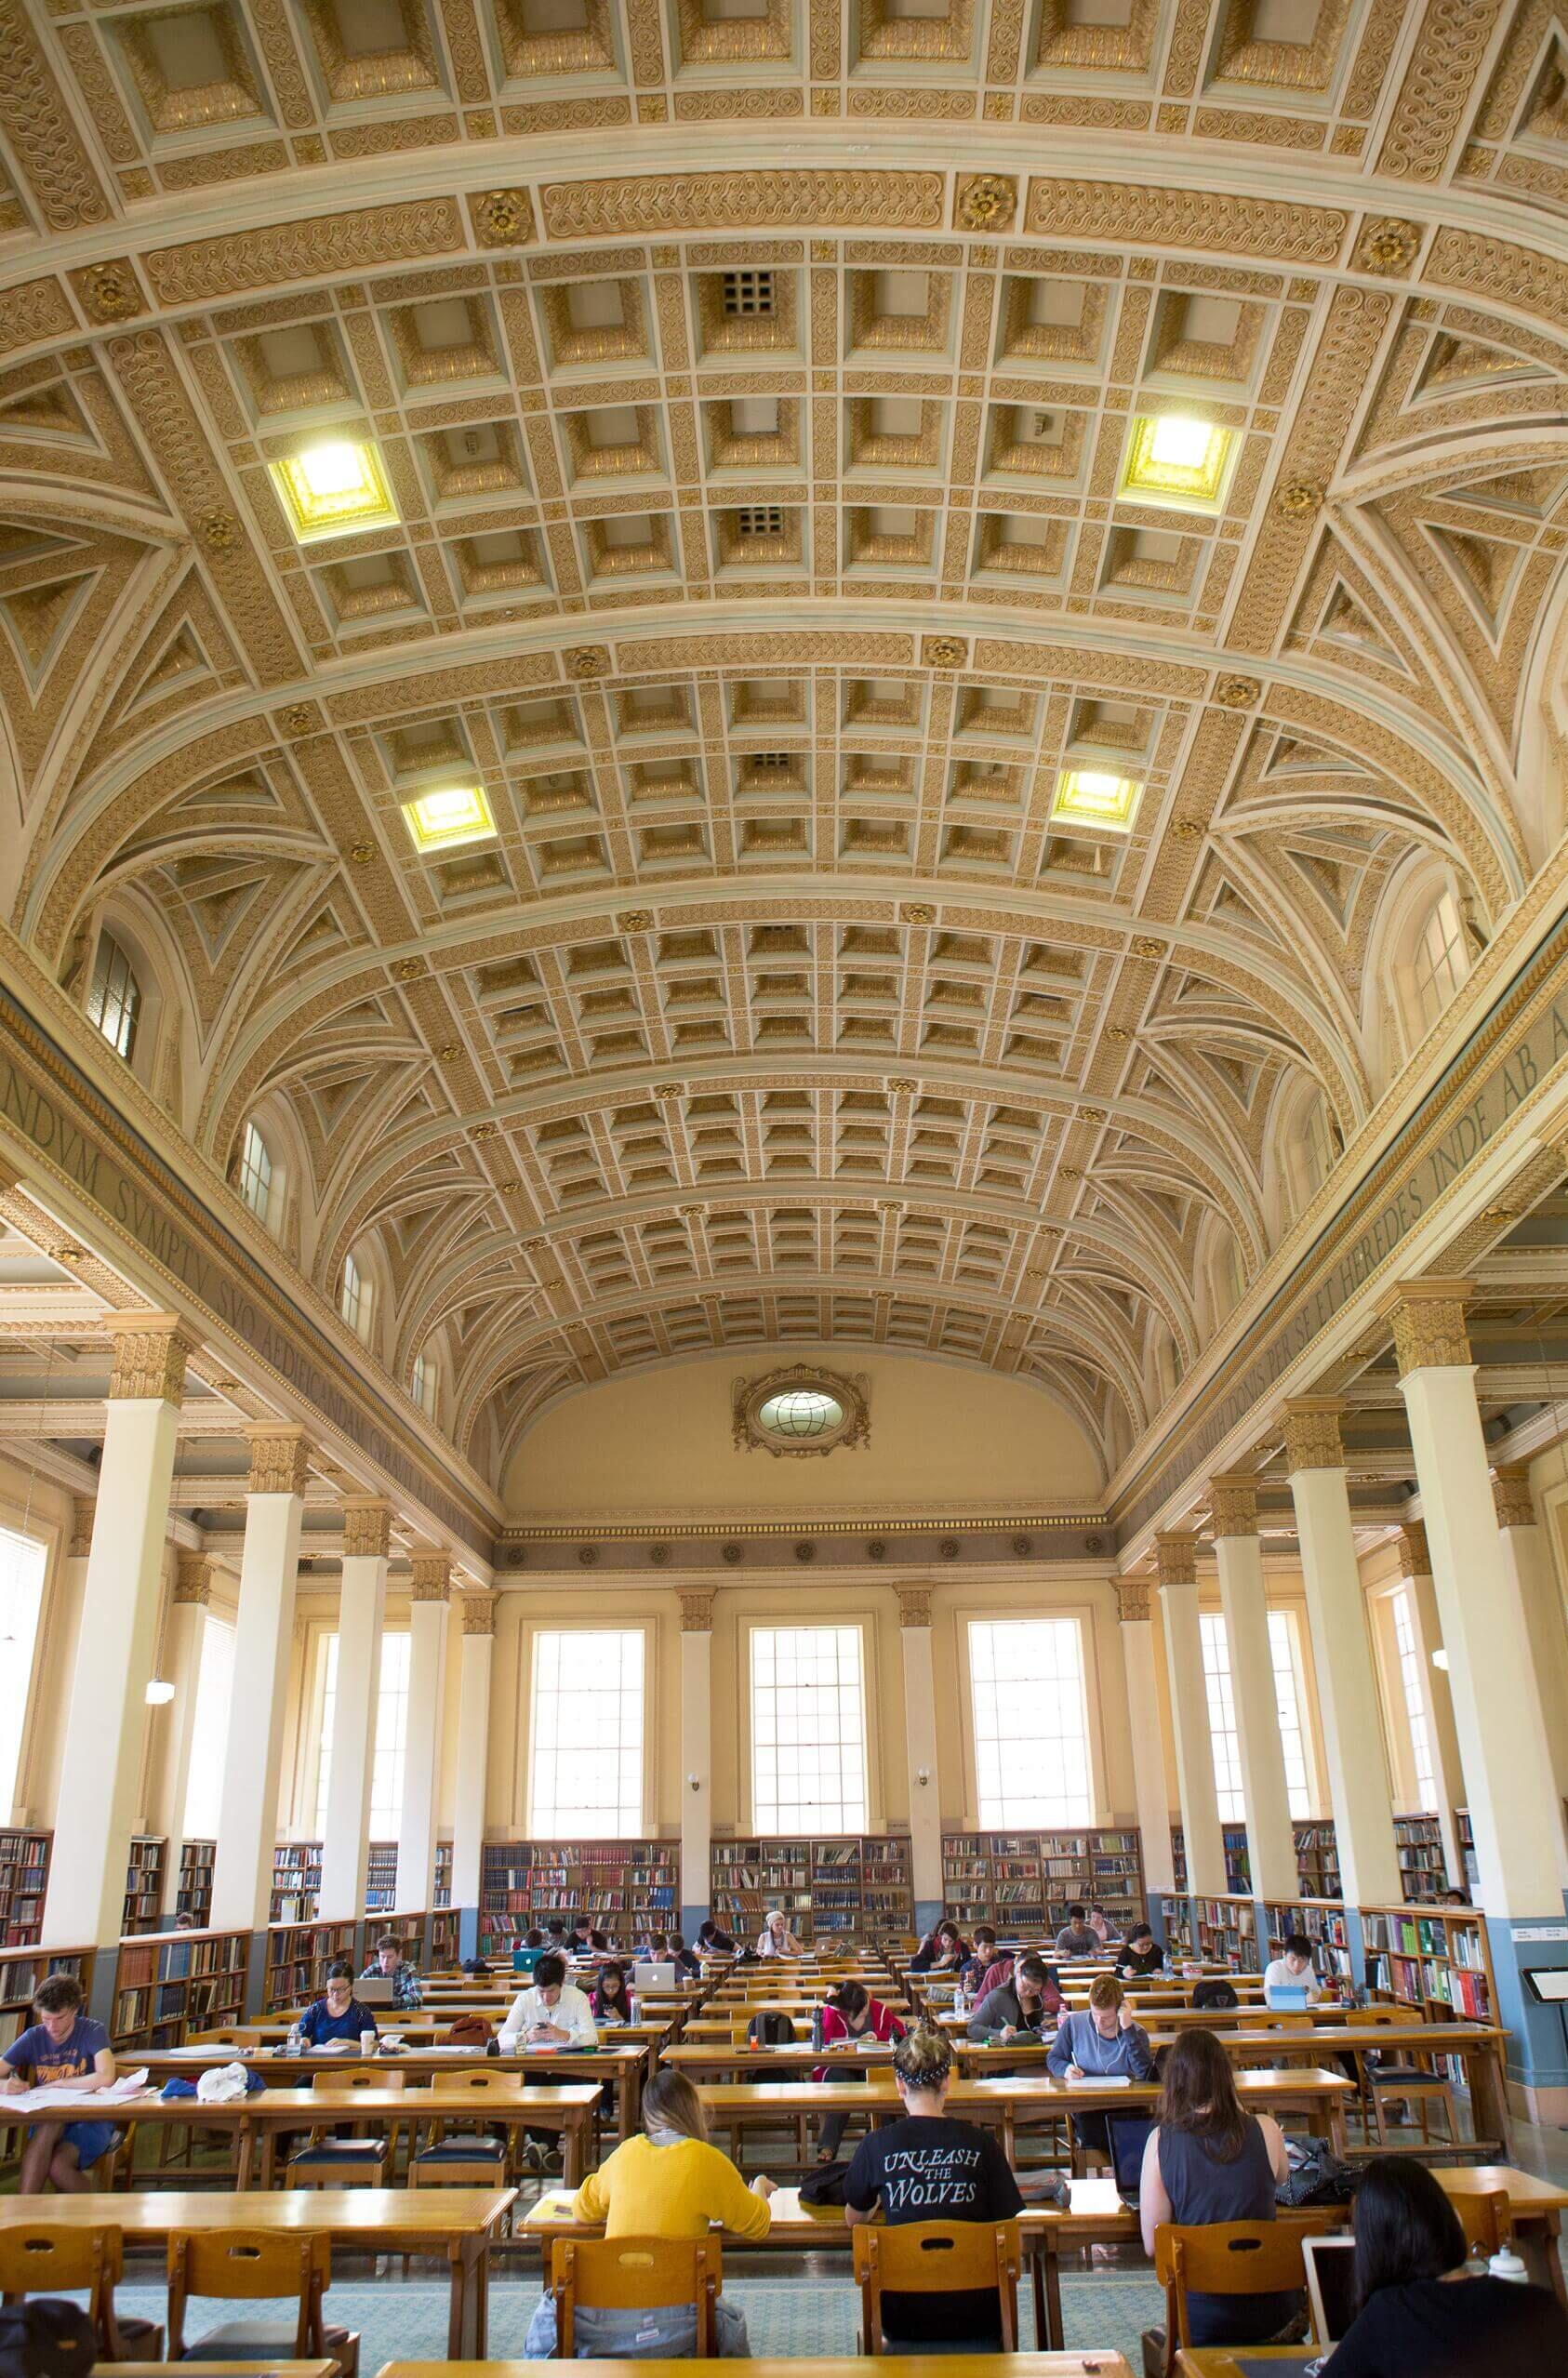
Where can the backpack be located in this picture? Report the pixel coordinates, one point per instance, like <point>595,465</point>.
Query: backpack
<point>48,2338</point>
<point>770,2029</point>
<point>1215,1994</point>
<point>466,2031</point>
<point>1316,2177</point>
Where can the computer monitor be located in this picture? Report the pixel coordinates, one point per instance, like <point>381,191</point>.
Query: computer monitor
<point>1331,2285</point>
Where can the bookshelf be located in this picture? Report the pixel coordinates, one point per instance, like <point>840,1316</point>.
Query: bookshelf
<point>380,1878</point>
<point>1423,1875</point>
<point>1436,1959</point>
<point>441,1937</point>
<point>1238,1859</point>
<point>442,1875</point>
<point>832,1886</point>
<point>1227,1934</point>
<point>193,1895</point>
<point>144,1885</point>
<point>1024,1882</point>
<point>24,1879</point>
<point>1178,1860</point>
<point>296,1883</point>
<point>1317,1858</point>
<point>168,1986</point>
<point>1324,1922</point>
<point>1467,1849</point>
<point>20,1972</point>
<point>623,1887</point>
<point>297,1957</point>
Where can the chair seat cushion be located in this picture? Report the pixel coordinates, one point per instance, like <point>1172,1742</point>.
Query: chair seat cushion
<point>461,2152</point>
<point>255,2341</point>
<point>135,2331</point>
<point>1407,2077</point>
<point>343,2151</point>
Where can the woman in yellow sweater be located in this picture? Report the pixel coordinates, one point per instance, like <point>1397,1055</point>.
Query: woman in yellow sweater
<point>669,2183</point>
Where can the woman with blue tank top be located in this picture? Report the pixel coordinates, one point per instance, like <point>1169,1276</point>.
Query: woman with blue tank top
<point>1208,2159</point>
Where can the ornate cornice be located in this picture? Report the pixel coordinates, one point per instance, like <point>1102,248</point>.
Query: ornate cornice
<point>1132,1600</point>
<point>1414,1554</point>
<point>1428,1324</point>
<point>432,1578</point>
<point>1176,1559</point>
<point>479,1613</point>
<point>697,1614</point>
<point>279,1461</point>
<point>1512,1500</point>
<point>366,1528</point>
<point>151,1352</point>
<point>914,1605</point>
<point>1233,1504</point>
<point>1311,1432</point>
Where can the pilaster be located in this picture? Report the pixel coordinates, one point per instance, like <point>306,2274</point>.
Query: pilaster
<point>919,1749</point>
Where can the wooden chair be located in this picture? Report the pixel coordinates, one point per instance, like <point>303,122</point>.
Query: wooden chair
<point>934,2258</point>
<point>51,2258</point>
<point>346,2162</point>
<point>1422,2081</point>
<point>1224,2258</point>
<point>240,2265</point>
<point>635,2275</point>
<point>465,2160</point>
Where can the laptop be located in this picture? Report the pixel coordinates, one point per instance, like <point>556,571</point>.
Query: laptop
<point>1288,1998</point>
<point>1331,2286</point>
<point>659,1975</point>
<point>374,1989</point>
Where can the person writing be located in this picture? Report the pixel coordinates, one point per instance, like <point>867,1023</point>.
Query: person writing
<point>776,1939</point>
<point>1100,2040</point>
<point>62,2048</point>
<point>390,1962</point>
<point>551,2013</point>
<point>928,2166</point>
<point>1075,1939</point>
<point>712,1940</point>
<point>669,2183</point>
<point>1292,1971</point>
<point>1208,2159</point>
<point>1139,1954</point>
<point>337,2014</point>
<point>1028,2002</point>
<point>851,2017</point>
<point>1421,2314</point>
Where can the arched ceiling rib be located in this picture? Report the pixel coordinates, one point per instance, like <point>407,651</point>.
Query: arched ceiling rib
<point>760,549</point>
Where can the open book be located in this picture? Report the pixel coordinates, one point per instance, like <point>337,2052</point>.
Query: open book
<point>60,2097</point>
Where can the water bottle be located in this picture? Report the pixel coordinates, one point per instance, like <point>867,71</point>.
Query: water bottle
<point>818,2028</point>
<point>1506,2263</point>
<point>960,1997</point>
<point>296,2040</point>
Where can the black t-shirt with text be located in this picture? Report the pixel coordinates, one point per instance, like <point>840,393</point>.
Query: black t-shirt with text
<point>931,2168</point>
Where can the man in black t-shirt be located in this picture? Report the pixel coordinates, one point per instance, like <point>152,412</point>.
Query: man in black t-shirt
<point>930,2167</point>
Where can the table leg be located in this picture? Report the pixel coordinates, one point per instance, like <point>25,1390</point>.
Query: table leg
<point>1487,2077</point>
<point>573,2159</point>
<point>247,2151</point>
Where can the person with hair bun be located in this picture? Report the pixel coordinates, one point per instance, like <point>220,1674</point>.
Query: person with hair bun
<point>928,2166</point>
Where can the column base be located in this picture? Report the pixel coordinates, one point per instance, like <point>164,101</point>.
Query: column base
<point>1538,2044</point>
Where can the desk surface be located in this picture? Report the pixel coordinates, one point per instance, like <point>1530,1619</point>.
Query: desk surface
<point>791,2225</point>
<point>311,2108</point>
<point>347,2212</point>
<point>819,2096</point>
<point>1090,2364</point>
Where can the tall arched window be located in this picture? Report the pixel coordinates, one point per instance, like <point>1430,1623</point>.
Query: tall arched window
<point>255,1174</point>
<point>1319,1153</point>
<point>427,1382</point>
<point>1439,961</point>
<point>356,1297</point>
<point>114,997</point>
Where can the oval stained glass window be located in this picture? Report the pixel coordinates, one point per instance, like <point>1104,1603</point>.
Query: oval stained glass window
<point>801,1413</point>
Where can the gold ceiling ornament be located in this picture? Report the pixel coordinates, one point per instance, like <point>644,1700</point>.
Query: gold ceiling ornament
<point>1068,1173</point>
<point>890,1206</point>
<point>68,1255</point>
<point>1428,1324</point>
<point>1298,499</point>
<point>486,1131</point>
<point>1388,245</point>
<point>669,1089</point>
<point>634,920</point>
<point>582,662</point>
<point>947,1548</point>
<point>361,853</point>
<point>449,1052</point>
<point>1020,1547</point>
<point>1091,1114</point>
<point>588,1555</point>
<point>943,652</point>
<point>508,1189</point>
<point>502,218</point>
<point>1118,1032</point>
<point>297,718</point>
<point>1233,1504</point>
<point>902,1086</point>
<point>407,970</point>
<point>1238,693</point>
<point>985,202</point>
<point>732,1554</point>
<point>109,292</point>
<point>1187,830</point>
<point>659,1555</point>
<point>805,1549</point>
<point>1132,1600</point>
<point>1147,945</point>
<point>917,913</point>
<point>1312,1424</point>
<point>799,1411</point>
<point>218,528</point>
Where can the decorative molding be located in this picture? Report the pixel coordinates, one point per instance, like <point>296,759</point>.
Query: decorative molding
<point>1176,1559</point>
<point>366,1528</point>
<point>697,1614</point>
<point>1132,1600</point>
<point>432,1578</point>
<point>850,1392</point>
<point>1511,1497</point>
<point>1312,1433</point>
<point>1428,1324</point>
<point>479,1613</point>
<point>151,1352</point>
<point>1233,1504</point>
<point>985,202</point>
<point>279,1461</point>
<point>659,206</point>
<point>502,218</point>
<point>914,1605</point>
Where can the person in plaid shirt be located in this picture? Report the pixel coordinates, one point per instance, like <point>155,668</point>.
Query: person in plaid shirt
<point>389,1960</point>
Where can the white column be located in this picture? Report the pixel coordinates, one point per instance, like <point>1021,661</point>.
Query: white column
<point>429,1601</point>
<point>1358,1768</point>
<point>473,1746</point>
<point>247,1818</point>
<point>106,1720</point>
<point>1509,1787</point>
<point>1527,1557</point>
<point>920,1744</point>
<point>362,1603</point>
<point>180,1663</point>
<point>1149,1753</point>
<point>1448,1775</point>
<point>1271,1842</point>
<point>697,1758</point>
<point>1176,1564</point>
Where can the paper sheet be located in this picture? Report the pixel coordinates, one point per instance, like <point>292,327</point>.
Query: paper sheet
<point>56,2097</point>
<point>1097,2196</point>
<point>1102,2081</point>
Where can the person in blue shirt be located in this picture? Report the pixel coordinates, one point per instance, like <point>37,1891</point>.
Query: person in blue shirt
<point>338,2015</point>
<point>63,2049</point>
<point>1101,2039</point>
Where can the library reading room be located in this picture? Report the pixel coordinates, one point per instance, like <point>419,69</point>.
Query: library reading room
<point>784,1187</point>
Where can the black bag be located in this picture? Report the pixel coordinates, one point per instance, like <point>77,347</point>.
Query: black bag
<point>1316,2177</point>
<point>1215,1994</point>
<point>475,1965</point>
<point>825,2186</point>
<point>48,2338</point>
<point>769,2028</point>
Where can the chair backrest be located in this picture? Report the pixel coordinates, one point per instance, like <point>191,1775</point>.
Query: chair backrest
<point>1484,2218</point>
<point>635,2275</point>
<point>485,2084</point>
<point>342,2084</point>
<point>1227,2258</point>
<point>936,2258</point>
<point>240,2265</point>
<point>47,2258</point>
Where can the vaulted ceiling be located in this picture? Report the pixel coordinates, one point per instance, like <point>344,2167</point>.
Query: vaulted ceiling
<point>753,384</point>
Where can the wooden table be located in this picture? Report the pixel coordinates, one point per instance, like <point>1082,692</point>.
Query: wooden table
<point>622,2067</point>
<point>257,2120</point>
<point>460,2223</point>
<point>1094,2364</point>
<point>1223,2361</point>
<point>1534,2213</point>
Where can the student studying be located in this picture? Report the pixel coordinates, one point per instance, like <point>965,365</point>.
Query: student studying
<point>337,2014</point>
<point>552,2012</point>
<point>62,2048</point>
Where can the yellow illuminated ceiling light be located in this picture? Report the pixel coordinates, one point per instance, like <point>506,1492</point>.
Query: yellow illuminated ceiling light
<point>1175,458</point>
<point>1087,797</point>
<point>459,813</point>
<point>333,488</point>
